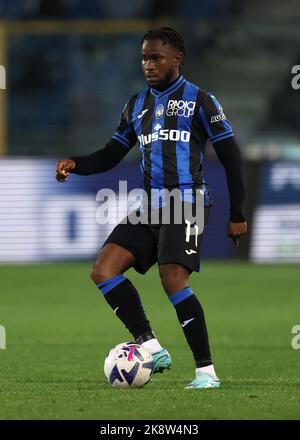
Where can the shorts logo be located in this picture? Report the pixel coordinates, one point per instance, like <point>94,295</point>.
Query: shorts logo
<point>159,111</point>
<point>190,252</point>
<point>180,108</point>
<point>220,117</point>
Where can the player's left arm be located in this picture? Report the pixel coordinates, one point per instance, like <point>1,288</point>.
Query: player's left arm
<point>220,133</point>
<point>229,155</point>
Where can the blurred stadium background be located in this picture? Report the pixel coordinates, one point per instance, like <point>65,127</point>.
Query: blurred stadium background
<point>70,67</point>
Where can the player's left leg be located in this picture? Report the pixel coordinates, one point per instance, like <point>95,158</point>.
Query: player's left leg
<point>177,258</point>
<point>175,280</point>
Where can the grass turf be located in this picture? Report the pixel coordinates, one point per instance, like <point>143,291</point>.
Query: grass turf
<point>59,330</point>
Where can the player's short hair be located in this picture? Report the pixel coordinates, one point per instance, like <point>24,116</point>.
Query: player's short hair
<point>167,35</point>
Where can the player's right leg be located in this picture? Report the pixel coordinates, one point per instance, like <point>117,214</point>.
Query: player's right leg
<point>118,291</point>
<point>112,260</point>
<point>129,246</point>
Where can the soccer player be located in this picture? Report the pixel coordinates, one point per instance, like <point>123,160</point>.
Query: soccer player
<point>172,119</point>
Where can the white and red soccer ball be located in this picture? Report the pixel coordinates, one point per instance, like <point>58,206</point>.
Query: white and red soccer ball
<point>128,365</point>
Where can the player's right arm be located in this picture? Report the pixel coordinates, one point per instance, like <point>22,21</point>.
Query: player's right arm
<point>105,159</point>
<point>63,169</point>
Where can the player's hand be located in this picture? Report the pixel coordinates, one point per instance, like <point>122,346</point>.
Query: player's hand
<point>236,231</point>
<point>63,168</point>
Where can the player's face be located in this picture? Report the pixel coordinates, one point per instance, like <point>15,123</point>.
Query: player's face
<point>160,62</point>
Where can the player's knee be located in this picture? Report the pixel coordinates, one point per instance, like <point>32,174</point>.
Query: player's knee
<point>173,278</point>
<point>99,274</point>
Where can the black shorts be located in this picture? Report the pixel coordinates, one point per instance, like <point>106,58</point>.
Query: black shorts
<point>171,243</point>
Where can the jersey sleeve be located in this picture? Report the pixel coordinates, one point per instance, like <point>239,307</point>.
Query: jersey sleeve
<point>214,120</point>
<point>125,133</point>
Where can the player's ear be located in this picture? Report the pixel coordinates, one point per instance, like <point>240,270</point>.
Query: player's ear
<point>179,59</point>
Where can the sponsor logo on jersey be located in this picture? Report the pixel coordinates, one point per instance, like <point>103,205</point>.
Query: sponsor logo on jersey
<point>165,135</point>
<point>180,108</point>
<point>220,117</point>
<point>159,111</point>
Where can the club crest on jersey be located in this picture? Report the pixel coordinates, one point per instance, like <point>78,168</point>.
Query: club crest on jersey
<point>220,117</point>
<point>180,108</point>
<point>159,111</point>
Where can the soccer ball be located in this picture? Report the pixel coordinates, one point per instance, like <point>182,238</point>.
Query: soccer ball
<point>128,365</point>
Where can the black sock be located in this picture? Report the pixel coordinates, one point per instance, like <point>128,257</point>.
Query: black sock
<point>125,301</point>
<point>192,320</point>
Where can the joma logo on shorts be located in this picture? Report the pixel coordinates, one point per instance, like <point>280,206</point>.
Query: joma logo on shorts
<point>164,135</point>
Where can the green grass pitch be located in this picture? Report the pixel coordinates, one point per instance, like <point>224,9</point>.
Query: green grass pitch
<point>59,328</point>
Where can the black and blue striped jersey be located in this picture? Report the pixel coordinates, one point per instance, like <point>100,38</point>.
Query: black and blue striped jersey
<point>172,127</point>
